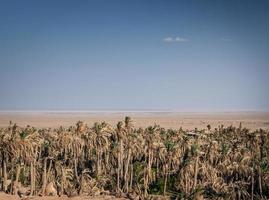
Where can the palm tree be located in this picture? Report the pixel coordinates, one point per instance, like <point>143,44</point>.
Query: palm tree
<point>226,163</point>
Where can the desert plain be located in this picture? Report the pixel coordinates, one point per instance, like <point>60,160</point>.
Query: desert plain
<point>167,119</point>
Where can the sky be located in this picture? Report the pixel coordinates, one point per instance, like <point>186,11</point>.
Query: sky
<point>134,55</point>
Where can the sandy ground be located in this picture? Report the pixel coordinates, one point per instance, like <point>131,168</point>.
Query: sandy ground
<point>4,196</point>
<point>187,120</point>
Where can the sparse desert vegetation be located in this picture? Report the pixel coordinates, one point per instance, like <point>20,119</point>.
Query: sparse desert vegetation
<point>136,163</point>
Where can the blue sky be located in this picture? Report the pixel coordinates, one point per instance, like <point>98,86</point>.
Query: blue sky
<point>132,55</point>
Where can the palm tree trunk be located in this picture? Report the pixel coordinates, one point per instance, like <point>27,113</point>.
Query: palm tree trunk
<point>260,181</point>
<point>81,183</point>
<point>195,173</point>
<point>32,170</point>
<point>252,184</point>
<point>62,181</point>
<point>157,166</point>
<point>49,168</point>
<point>118,173</point>
<point>126,170</point>
<point>4,174</point>
<point>12,177</point>
<point>131,176</point>
<point>44,177</point>
<point>121,158</point>
<point>107,161</point>
<point>147,174</point>
<point>165,181</point>
<point>98,162</point>
<point>145,183</point>
<point>76,169</point>
<point>186,182</point>
<point>16,183</point>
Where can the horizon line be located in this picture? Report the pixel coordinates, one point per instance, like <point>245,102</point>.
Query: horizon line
<point>138,111</point>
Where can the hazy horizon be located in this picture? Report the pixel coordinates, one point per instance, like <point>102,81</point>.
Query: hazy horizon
<point>135,111</point>
<point>134,55</point>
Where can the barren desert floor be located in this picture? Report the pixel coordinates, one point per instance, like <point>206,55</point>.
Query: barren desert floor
<point>186,120</point>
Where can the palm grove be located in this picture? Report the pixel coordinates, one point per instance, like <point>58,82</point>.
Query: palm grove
<point>221,163</point>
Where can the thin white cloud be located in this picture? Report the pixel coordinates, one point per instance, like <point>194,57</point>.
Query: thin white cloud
<point>180,39</point>
<point>168,39</point>
<point>175,39</point>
